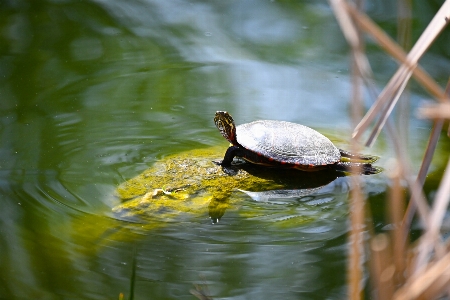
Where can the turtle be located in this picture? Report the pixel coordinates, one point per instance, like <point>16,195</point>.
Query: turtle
<point>286,145</point>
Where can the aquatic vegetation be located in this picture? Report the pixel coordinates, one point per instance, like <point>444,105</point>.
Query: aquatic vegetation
<point>190,183</point>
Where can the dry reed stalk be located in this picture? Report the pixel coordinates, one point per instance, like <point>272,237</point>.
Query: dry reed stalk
<point>357,217</point>
<point>404,27</point>
<point>357,82</point>
<point>396,208</point>
<point>347,26</point>
<point>389,96</point>
<point>359,63</point>
<point>382,267</point>
<point>356,240</point>
<point>434,111</point>
<point>353,37</point>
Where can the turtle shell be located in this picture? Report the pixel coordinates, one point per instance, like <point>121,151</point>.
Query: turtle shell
<point>287,143</point>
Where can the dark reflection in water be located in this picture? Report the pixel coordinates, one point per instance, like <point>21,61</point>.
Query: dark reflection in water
<point>94,92</point>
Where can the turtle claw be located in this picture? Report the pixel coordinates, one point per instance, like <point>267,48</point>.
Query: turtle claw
<point>230,170</point>
<point>227,169</point>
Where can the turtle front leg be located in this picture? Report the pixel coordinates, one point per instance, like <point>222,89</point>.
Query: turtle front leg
<point>232,151</point>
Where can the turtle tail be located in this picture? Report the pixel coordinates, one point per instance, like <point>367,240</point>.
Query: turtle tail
<point>362,168</point>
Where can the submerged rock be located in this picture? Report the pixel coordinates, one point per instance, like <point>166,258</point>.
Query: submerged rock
<point>191,184</point>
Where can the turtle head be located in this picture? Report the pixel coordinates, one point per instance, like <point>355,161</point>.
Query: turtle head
<point>225,123</point>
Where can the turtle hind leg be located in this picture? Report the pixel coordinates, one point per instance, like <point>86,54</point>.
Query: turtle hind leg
<point>357,158</point>
<point>364,168</point>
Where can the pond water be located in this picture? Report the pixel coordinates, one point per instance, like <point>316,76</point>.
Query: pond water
<point>95,92</point>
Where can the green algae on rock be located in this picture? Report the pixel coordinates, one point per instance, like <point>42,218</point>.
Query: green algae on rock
<point>191,184</point>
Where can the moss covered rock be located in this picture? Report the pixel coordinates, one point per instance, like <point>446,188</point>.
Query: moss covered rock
<point>191,183</point>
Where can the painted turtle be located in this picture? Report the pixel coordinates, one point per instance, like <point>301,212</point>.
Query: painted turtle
<point>285,144</point>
